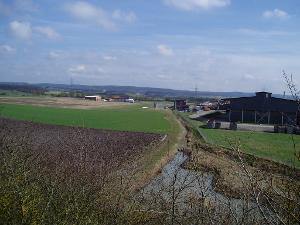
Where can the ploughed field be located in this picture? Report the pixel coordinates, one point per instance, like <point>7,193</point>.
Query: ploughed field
<point>52,174</point>
<point>73,148</point>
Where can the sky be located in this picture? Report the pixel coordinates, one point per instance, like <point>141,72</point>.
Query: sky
<point>214,45</point>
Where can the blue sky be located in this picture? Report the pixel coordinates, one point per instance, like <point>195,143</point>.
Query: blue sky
<point>216,45</point>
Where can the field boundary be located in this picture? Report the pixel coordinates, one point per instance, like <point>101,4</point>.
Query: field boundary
<point>163,154</point>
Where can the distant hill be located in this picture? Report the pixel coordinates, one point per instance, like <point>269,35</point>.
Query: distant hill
<point>111,90</point>
<point>146,91</point>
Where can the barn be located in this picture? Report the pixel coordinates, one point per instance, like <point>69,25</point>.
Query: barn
<point>261,109</point>
<point>119,98</point>
<point>180,105</point>
<point>93,97</point>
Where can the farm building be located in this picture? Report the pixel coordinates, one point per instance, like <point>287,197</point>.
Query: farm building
<point>130,100</point>
<point>118,98</point>
<point>180,105</point>
<point>93,97</point>
<point>261,109</point>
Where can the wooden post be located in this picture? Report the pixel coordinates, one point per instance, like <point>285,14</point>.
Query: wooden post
<point>269,117</point>
<point>282,118</point>
<point>255,116</point>
<point>242,115</point>
<point>230,116</point>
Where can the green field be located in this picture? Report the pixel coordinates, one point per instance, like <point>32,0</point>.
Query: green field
<point>278,147</point>
<point>127,118</point>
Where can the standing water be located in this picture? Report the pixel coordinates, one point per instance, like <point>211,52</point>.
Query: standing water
<point>177,186</point>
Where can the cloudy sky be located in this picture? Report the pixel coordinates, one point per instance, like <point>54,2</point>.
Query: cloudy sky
<point>216,45</point>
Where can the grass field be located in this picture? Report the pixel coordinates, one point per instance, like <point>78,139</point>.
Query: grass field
<point>126,118</point>
<point>123,118</point>
<point>278,147</point>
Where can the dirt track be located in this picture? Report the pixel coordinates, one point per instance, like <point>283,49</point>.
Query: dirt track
<point>63,102</point>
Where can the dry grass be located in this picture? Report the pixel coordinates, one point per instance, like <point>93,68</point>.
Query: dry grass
<point>62,102</point>
<point>231,178</point>
<point>154,160</point>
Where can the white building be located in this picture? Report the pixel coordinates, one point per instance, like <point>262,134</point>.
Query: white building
<point>93,97</point>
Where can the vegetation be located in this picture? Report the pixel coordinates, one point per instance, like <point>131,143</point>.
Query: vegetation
<point>278,147</point>
<point>152,161</point>
<point>14,93</point>
<point>22,87</point>
<point>67,184</point>
<point>275,146</point>
<point>129,118</point>
<point>72,94</point>
<point>65,175</point>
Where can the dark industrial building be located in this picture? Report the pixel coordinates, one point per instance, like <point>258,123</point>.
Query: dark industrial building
<point>261,109</point>
<point>181,105</point>
<point>117,98</point>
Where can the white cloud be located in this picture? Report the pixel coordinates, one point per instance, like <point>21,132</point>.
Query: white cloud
<point>21,30</point>
<point>165,50</point>
<point>129,17</point>
<point>263,33</point>
<point>87,12</point>
<point>7,49</point>
<point>90,13</point>
<point>240,71</point>
<point>24,30</point>
<point>276,13</point>
<point>54,55</point>
<point>109,58</point>
<point>48,32</point>
<point>249,77</point>
<point>189,5</point>
<point>78,69</point>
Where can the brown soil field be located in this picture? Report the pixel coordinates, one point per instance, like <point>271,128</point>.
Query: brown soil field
<point>73,150</point>
<point>63,102</point>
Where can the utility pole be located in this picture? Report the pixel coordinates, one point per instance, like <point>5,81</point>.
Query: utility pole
<point>196,93</point>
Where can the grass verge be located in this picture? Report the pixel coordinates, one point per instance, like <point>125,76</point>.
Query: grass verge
<point>153,161</point>
<point>274,146</point>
